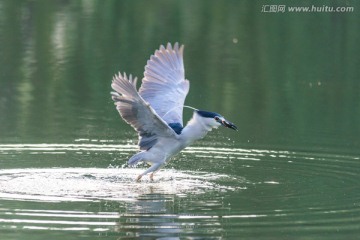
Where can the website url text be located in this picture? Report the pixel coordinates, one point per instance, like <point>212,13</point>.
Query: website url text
<point>308,9</point>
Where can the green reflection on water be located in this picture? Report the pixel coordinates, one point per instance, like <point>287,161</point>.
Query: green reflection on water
<point>288,81</point>
<point>285,79</point>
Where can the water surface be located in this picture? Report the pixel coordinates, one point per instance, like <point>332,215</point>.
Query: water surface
<point>288,81</point>
<point>247,192</point>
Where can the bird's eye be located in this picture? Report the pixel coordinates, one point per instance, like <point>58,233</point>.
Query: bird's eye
<point>216,118</point>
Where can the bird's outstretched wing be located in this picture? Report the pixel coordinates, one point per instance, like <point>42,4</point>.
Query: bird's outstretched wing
<point>139,114</point>
<point>164,85</point>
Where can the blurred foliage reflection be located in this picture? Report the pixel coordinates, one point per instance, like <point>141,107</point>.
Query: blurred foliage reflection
<point>286,79</point>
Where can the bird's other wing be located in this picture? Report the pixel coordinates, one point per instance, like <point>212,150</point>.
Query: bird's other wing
<point>138,113</point>
<point>164,85</point>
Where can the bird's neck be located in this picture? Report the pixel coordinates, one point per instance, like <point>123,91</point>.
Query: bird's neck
<point>195,129</point>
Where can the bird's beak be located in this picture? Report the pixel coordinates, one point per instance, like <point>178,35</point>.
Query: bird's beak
<point>227,124</point>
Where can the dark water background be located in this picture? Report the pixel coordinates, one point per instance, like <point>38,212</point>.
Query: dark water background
<point>290,81</point>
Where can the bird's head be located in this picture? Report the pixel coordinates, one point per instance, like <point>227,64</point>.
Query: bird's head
<point>215,120</point>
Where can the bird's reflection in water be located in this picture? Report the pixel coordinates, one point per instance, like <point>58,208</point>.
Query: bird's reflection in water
<point>156,214</point>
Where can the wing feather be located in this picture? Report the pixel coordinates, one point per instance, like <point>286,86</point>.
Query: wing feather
<point>138,113</point>
<point>164,85</point>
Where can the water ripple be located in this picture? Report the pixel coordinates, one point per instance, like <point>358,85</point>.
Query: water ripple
<point>94,184</point>
<point>205,192</point>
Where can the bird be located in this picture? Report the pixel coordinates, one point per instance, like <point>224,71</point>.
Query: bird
<point>155,109</point>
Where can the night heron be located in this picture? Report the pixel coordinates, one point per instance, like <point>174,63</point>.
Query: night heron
<point>155,111</point>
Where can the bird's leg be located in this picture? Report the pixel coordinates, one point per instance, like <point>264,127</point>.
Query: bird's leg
<point>152,169</point>
<point>139,178</point>
<point>152,176</point>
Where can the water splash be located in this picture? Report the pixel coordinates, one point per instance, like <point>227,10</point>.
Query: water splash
<point>94,184</point>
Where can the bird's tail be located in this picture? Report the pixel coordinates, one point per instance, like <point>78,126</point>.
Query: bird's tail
<point>136,158</point>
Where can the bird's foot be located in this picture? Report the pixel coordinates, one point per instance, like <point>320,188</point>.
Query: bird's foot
<point>139,178</point>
